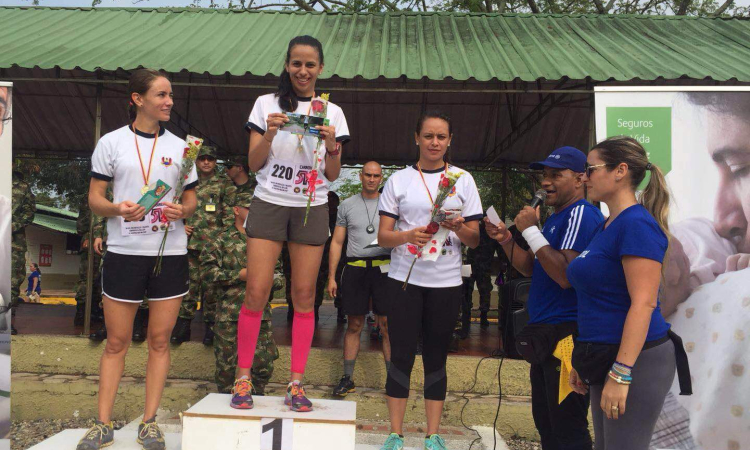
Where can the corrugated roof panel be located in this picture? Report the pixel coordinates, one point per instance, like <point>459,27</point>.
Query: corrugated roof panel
<point>392,45</point>
<point>55,223</point>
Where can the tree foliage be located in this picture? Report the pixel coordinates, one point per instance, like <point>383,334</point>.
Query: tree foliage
<point>56,183</point>
<point>652,7</point>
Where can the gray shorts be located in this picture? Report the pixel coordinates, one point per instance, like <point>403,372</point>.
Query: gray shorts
<point>286,223</point>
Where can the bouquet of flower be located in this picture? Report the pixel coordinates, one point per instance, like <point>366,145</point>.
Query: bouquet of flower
<point>318,108</point>
<point>192,147</point>
<point>431,251</point>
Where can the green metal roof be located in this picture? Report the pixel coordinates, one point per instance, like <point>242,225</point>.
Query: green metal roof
<point>55,223</point>
<point>56,219</point>
<point>415,45</point>
<point>49,210</point>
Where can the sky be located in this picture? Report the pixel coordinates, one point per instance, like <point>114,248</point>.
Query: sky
<point>157,3</point>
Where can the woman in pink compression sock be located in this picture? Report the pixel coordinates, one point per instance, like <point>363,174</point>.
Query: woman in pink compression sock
<point>283,162</point>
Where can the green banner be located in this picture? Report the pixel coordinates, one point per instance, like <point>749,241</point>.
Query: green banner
<point>651,126</point>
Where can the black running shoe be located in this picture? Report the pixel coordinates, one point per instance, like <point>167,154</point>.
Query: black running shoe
<point>345,386</point>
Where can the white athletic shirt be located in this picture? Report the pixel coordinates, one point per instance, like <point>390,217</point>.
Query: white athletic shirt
<point>115,159</point>
<point>405,199</point>
<point>279,180</point>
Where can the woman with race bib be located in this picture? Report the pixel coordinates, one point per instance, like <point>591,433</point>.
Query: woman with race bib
<point>284,163</point>
<point>135,159</point>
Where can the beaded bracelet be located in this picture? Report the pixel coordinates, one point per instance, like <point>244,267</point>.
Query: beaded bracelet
<point>620,379</point>
<point>619,370</point>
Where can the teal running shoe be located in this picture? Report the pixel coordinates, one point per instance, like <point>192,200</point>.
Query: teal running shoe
<point>434,442</point>
<point>394,442</point>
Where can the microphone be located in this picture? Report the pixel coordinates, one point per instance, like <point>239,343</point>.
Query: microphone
<point>539,197</point>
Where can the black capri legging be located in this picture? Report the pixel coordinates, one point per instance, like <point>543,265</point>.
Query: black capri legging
<point>433,311</point>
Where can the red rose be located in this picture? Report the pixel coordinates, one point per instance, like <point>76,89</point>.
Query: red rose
<point>445,182</point>
<point>412,249</point>
<point>197,142</point>
<point>432,228</point>
<point>433,250</point>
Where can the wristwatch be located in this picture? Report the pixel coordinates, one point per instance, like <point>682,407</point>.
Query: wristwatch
<point>336,151</point>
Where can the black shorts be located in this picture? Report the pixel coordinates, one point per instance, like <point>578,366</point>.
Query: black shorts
<point>130,278</point>
<point>273,222</point>
<point>359,285</point>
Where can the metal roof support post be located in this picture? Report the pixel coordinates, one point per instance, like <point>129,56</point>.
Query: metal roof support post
<point>90,263</point>
<point>504,193</point>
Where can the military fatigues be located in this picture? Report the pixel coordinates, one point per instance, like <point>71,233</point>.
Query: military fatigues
<point>221,262</point>
<point>82,228</point>
<point>208,221</point>
<point>480,259</point>
<point>24,207</point>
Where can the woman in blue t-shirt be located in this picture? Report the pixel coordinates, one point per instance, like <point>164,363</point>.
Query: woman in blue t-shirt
<point>34,289</point>
<point>617,282</point>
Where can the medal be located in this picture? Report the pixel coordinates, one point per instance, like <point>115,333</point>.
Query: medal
<point>146,175</point>
<point>370,229</point>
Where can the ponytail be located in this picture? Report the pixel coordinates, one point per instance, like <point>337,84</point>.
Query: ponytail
<point>285,92</point>
<point>655,198</point>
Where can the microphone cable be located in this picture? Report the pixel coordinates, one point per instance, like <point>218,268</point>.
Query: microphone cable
<point>495,354</point>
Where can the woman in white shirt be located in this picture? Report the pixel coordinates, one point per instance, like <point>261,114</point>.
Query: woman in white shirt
<point>133,159</point>
<point>432,298</point>
<point>284,164</point>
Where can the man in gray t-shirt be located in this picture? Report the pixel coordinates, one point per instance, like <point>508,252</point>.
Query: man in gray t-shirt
<point>363,278</point>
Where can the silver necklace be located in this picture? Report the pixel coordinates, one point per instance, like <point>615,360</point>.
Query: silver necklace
<point>370,229</point>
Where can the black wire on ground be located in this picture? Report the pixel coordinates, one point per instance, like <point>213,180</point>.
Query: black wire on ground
<point>496,354</point>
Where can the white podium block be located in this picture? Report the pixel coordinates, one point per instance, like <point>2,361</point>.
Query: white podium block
<point>270,425</point>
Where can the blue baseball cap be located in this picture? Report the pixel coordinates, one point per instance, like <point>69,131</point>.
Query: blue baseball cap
<point>563,158</point>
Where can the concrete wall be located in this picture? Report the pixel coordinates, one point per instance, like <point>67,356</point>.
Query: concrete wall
<point>63,273</point>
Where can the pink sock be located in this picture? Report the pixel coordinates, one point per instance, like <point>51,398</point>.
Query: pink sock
<point>303,329</point>
<point>248,329</point>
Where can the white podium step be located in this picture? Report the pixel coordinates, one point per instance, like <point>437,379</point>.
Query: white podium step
<point>124,440</point>
<point>270,425</point>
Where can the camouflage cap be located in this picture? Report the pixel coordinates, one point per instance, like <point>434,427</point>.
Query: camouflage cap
<point>238,197</point>
<point>235,160</point>
<point>207,150</point>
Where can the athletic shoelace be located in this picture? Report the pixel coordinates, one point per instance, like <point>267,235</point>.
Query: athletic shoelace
<point>149,430</point>
<point>242,387</point>
<point>97,431</point>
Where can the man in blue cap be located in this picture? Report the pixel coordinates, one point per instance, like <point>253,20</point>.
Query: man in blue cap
<point>552,303</point>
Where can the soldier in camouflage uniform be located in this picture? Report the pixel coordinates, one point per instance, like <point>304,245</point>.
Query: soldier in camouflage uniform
<point>237,171</point>
<point>82,228</point>
<point>480,259</point>
<point>203,227</point>
<point>23,209</point>
<point>223,265</point>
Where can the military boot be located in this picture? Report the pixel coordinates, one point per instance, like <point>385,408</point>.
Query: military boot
<point>100,334</point>
<point>208,338</point>
<point>139,335</point>
<point>181,331</point>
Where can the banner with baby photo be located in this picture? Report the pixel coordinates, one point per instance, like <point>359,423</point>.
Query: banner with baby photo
<point>6,114</point>
<point>700,137</point>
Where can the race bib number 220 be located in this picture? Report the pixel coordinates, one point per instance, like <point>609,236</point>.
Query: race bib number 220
<point>287,178</point>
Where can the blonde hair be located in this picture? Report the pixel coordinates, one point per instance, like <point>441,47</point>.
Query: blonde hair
<point>655,197</point>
